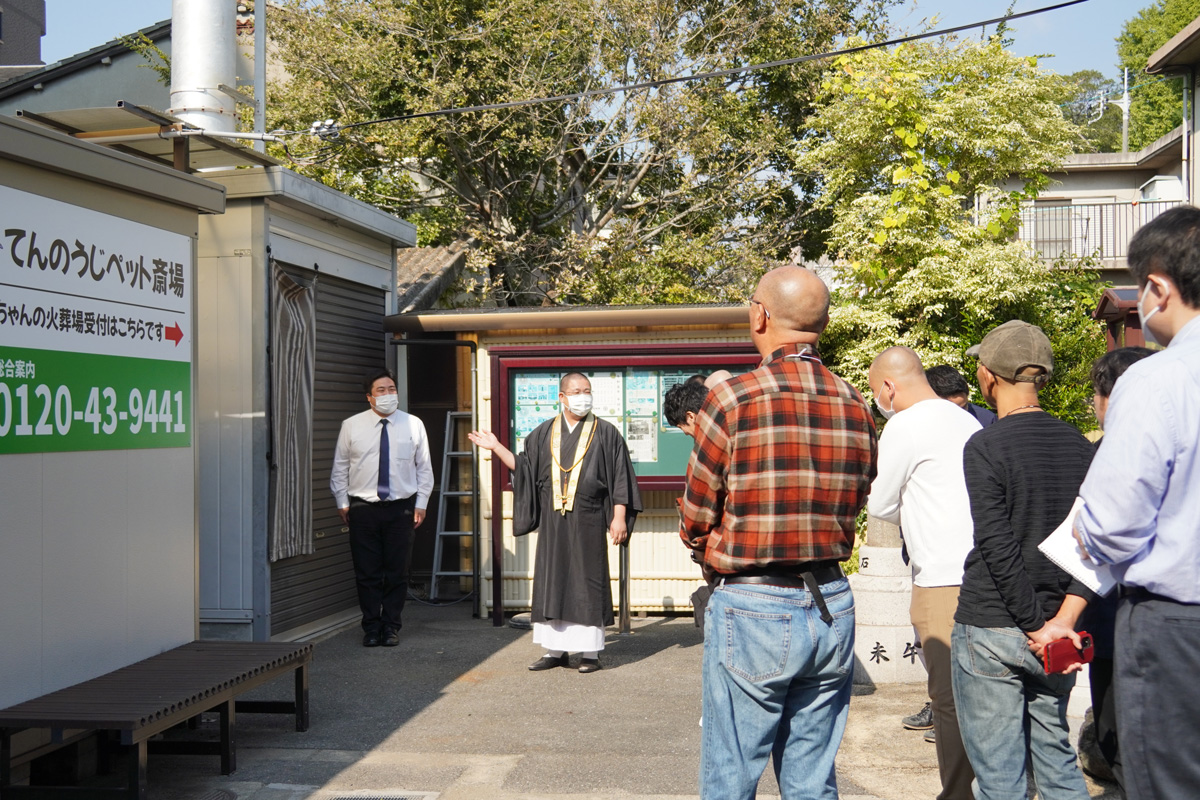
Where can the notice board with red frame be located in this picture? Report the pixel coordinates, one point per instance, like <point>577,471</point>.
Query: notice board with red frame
<point>628,384</point>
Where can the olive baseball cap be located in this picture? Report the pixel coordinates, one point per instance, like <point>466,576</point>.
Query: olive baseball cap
<point>1013,346</point>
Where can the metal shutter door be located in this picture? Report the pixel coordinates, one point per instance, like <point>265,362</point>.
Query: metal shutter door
<point>350,342</point>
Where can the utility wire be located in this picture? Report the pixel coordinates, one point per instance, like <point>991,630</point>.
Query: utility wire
<point>331,130</point>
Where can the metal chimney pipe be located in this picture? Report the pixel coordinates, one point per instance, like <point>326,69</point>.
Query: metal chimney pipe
<point>204,56</point>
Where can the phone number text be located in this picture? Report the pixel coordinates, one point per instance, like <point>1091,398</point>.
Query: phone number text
<point>29,410</point>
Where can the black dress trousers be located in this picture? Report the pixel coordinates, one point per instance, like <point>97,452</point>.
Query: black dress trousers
<point>381,542</point>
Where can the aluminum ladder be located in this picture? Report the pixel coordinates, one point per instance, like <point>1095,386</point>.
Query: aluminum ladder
<point>448,497</point>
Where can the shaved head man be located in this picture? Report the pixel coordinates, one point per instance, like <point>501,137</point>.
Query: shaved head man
<point>897,375</point>
<point>921,488</point>
<point>791,305</point>
<point>574,456</point>
<point>783,460</point>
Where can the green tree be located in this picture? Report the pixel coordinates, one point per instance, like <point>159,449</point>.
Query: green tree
<point>1156,107</point>
<point>924,154</point>
<point>950,301</point>
<point>931,143</point>
<point>689,180</point>
<point>1101,131</point>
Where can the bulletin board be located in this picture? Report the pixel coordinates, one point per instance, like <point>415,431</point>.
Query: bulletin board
<point>627,390</point>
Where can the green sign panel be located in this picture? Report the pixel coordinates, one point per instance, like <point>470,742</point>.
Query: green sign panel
<point>52,401</point>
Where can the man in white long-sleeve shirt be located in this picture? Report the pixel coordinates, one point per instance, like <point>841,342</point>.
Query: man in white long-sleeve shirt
<point>382,478</point>
<point>920,487</point>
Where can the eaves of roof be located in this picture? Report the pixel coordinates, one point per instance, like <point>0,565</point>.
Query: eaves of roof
<point>1180,52</point>
<point>567,317</point>
<point>80,61</point>
<point>1166,150</point>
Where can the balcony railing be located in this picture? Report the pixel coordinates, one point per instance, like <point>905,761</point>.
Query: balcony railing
<point>1102,230</point>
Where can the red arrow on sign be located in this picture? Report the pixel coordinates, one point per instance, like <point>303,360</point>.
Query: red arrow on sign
<point>175,334</point>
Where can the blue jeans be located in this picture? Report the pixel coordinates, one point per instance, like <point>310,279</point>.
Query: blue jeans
<point>776,683</point>
<point>1008,709</point>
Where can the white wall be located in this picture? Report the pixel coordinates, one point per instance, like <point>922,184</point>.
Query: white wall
<point>97,547</point>
<point>97,564</point>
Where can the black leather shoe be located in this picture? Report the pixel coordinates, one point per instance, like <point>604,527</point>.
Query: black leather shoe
<point>391,638</point>
<point>371,640</point>
<point>549,662</point>
<point>587,665</point>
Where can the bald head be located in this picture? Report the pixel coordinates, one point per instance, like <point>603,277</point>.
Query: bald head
<point>897,373</point>
<point>898,364</point>
<point>797,299</point>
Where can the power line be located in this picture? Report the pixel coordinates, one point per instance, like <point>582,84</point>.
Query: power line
<point>329,130</point>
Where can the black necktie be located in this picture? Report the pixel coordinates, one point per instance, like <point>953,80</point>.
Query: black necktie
<point>385,460</point>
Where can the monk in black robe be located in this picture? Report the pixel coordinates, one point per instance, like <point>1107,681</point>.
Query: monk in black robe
<point>573,483</point>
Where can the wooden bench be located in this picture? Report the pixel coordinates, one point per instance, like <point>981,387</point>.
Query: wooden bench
<point>141,700</point>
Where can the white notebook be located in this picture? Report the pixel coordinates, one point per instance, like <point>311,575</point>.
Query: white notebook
<point>1061,548</point>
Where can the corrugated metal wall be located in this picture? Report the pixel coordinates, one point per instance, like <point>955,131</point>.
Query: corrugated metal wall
<point>226,292</point>
<point>350,342</point>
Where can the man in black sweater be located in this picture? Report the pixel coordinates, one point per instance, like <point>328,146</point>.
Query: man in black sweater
<point>1023,474</point>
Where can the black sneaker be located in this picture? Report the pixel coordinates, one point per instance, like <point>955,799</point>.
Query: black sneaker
<point>920,721</point>
<point>930,736</point>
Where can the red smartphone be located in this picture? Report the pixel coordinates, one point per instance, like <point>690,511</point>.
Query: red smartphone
<point>1062,653</point>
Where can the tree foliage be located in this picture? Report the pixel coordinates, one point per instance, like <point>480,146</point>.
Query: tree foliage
<point>1101,131</point>
<point>152,54</point>
<point>948,302</point>
<point>909,143</point>
<point>1157,107</point>
<point>911,146</point>
<point>685,183</point>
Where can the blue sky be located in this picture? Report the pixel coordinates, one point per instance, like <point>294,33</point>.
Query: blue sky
<point>1080,37</point>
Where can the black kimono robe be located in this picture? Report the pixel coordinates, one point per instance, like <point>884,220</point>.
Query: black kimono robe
<point>570,575</point>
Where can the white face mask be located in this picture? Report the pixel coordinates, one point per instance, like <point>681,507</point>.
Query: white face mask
<point>387,403</point>
<point>887,413</point>
<point>579,404</point>
<point>1144,317</point>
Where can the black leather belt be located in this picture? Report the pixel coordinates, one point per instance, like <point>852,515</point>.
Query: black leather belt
<point>1138,593</point>
<point>801,576</point>
<point>359,501</point>
<point>823,572</point>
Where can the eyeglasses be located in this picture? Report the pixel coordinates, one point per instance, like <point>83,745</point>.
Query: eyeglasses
<point>760,302</point>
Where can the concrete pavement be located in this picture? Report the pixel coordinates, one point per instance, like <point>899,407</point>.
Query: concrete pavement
<point>453,714</point>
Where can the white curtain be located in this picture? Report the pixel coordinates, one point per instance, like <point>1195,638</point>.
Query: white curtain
<point>293,361</point>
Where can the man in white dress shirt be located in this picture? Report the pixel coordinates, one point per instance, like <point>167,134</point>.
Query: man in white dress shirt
<point>921,488</point>
<point>382,478</point>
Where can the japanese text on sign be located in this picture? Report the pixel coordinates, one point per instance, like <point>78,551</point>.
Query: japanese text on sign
<point>73,279</point>
<point>95,329</point>
<point>163,275</point>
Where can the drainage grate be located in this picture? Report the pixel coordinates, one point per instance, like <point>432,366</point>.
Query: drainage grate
<point>388,796</point>
<point>218,794</point>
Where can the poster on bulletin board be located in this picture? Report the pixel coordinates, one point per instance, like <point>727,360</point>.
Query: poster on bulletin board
<point>630,398</point>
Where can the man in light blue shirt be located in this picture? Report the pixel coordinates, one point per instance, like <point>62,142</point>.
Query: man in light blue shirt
<point>1141,514</point>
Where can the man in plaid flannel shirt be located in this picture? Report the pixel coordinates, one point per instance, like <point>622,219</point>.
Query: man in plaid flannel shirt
<point>783,462</point>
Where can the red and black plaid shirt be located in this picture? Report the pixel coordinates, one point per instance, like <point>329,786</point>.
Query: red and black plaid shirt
<point>783,462</point>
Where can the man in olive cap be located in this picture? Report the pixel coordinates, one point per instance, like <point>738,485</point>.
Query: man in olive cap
<point>1023,474</point>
